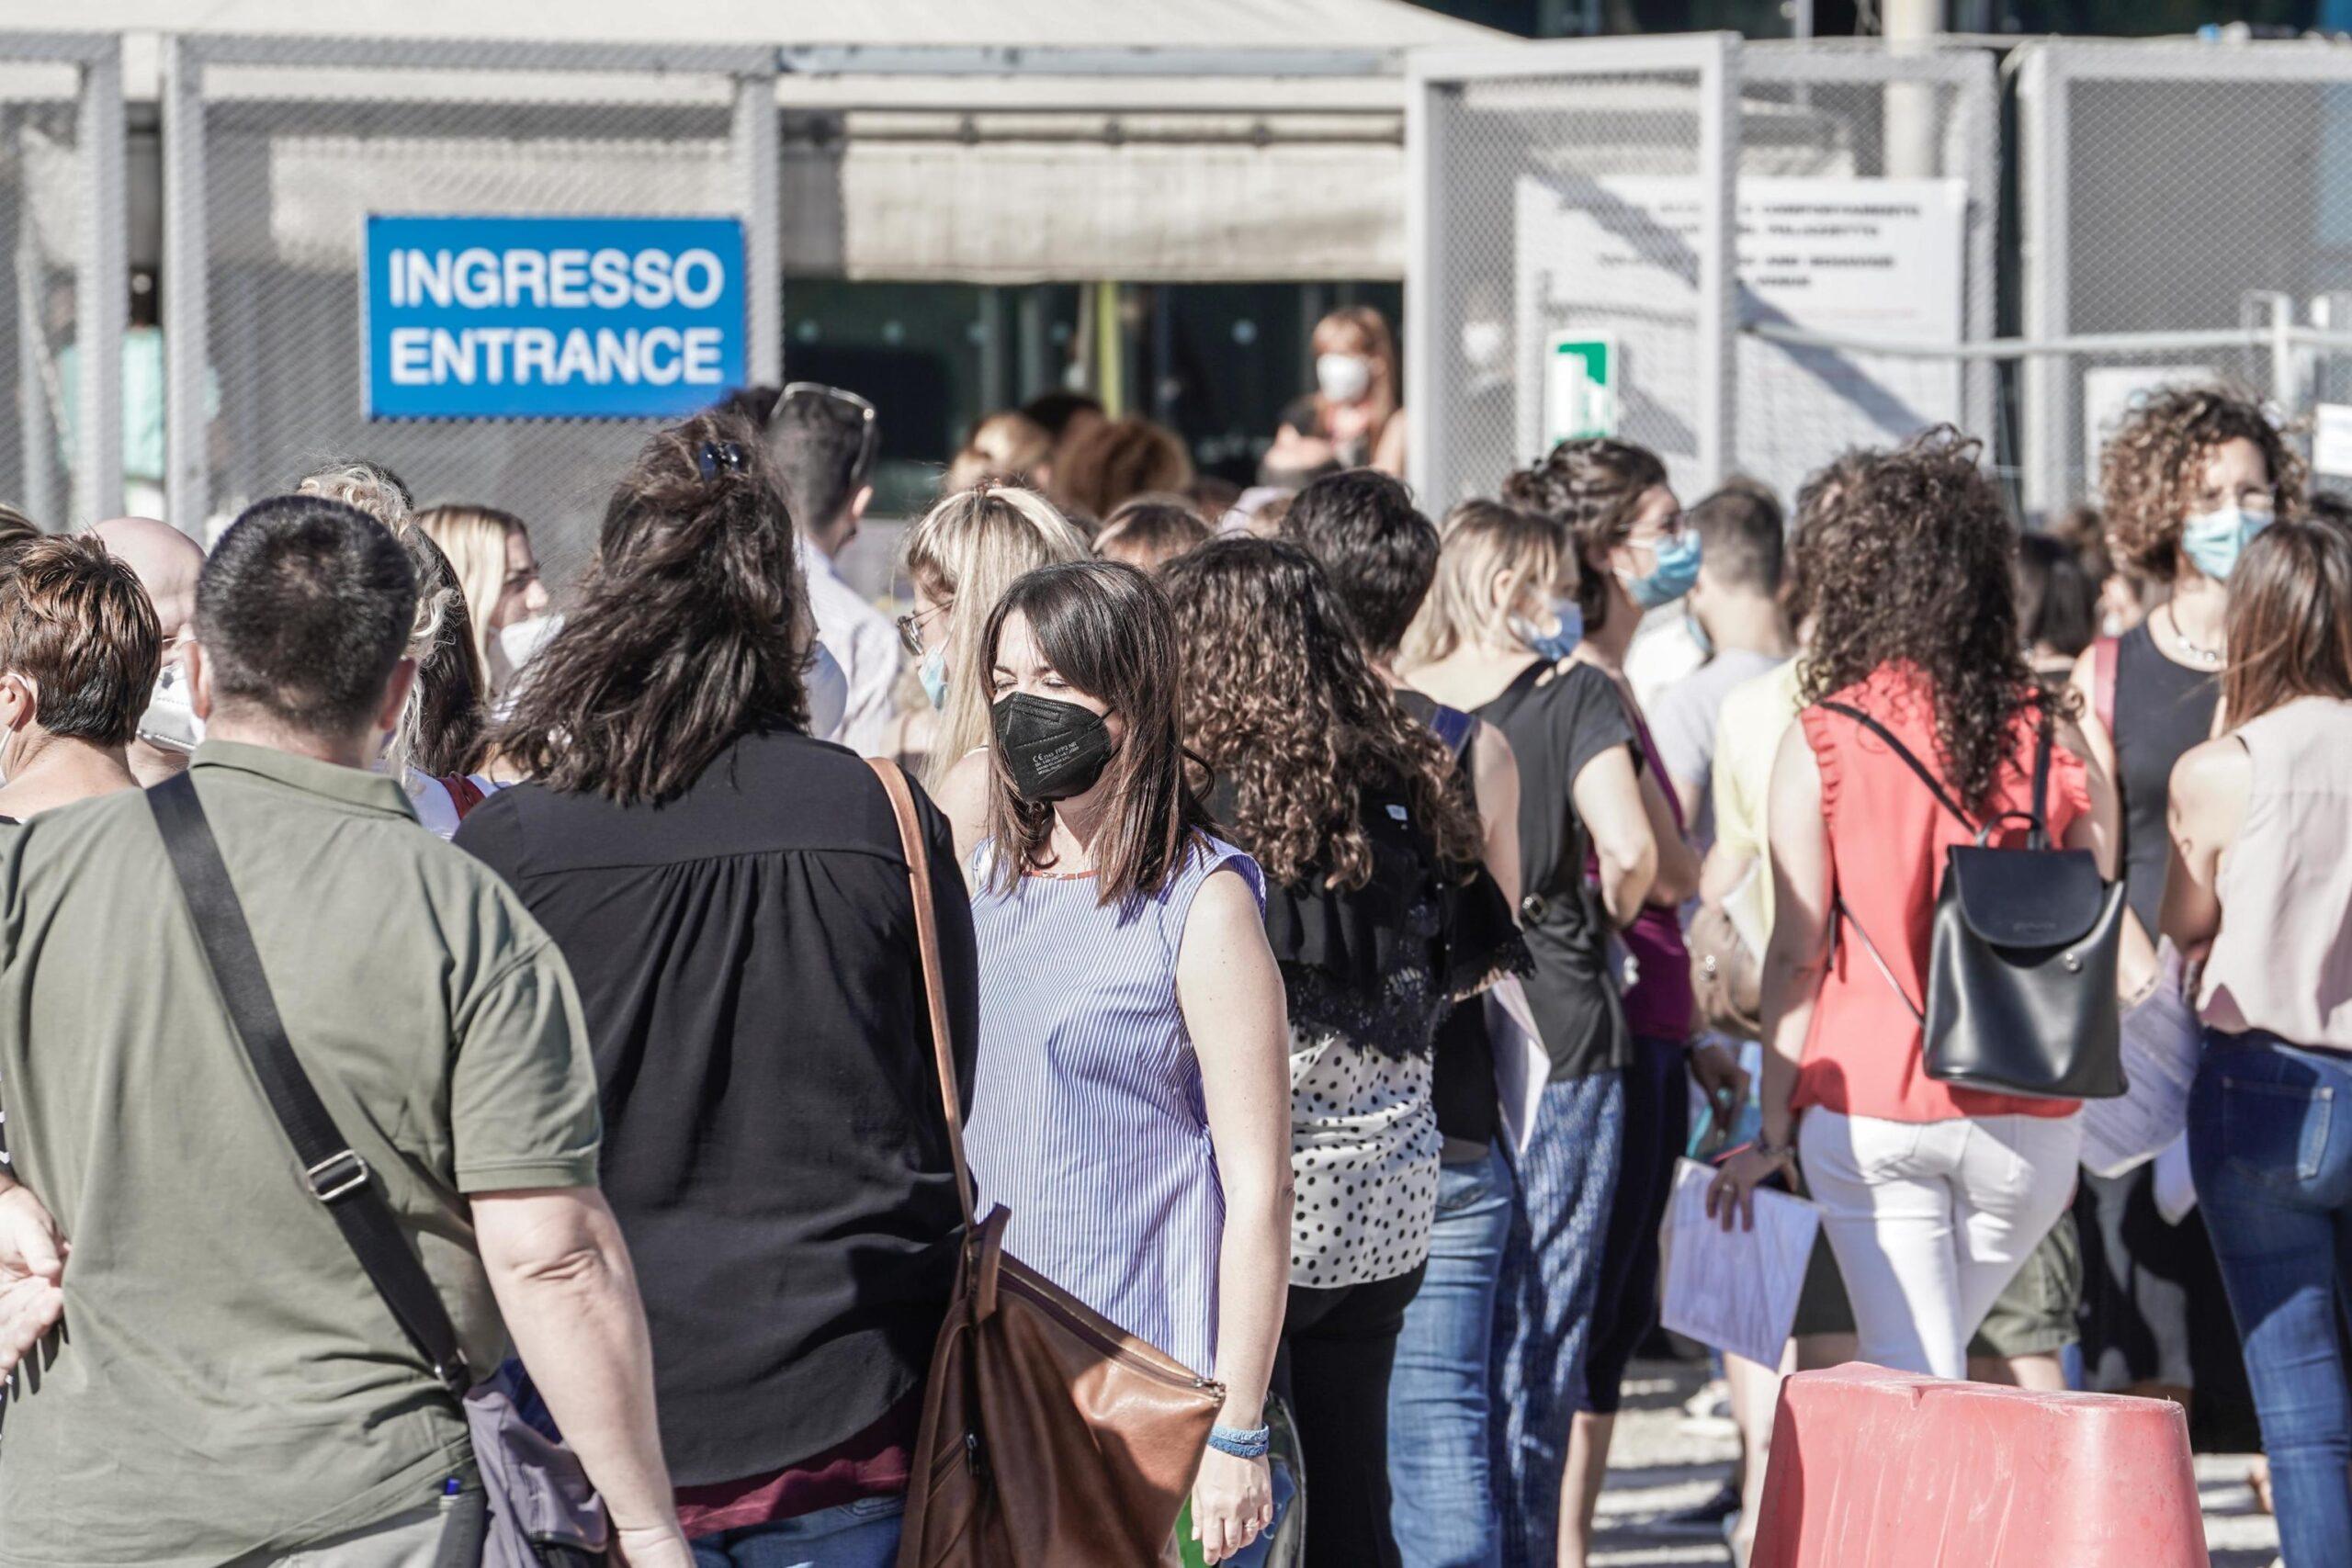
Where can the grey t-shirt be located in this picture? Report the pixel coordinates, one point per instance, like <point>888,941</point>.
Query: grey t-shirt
<point>229,1380</point>
<point>1682,724</point>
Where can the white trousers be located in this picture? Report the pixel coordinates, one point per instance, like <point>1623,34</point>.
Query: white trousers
<point>1931,1220</point>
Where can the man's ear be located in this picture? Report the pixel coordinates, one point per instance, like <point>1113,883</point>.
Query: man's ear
<point>387,719</point>
<point>199,680</point>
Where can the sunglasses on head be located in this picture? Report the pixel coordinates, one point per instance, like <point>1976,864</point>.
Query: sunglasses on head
<point>870,431</point>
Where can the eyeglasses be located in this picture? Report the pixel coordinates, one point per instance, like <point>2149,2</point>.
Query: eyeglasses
<point>910,628</point>
<point>870,430</point>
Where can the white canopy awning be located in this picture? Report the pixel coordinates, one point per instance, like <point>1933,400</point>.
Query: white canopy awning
<point>925,140</point>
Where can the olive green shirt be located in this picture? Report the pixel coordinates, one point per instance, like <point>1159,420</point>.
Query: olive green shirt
<point>229,1380</point>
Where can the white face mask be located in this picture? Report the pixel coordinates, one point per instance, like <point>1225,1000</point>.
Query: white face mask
<point>1343,377</point>
<point>170,723</point>
<point>520,641</point>
<point>1483,345</point>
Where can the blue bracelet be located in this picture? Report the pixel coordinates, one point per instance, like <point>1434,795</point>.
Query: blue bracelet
<point>1241,1444</point>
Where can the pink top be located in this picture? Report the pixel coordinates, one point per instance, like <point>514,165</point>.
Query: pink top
<point>1887,838</point>
<point>2282,961</point>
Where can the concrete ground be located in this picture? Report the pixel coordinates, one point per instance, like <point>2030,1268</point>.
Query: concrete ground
<point>1663,1460</point>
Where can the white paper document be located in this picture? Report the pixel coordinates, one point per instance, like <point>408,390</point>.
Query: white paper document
<point>1523,1067</point>
<point>1734,1290</point>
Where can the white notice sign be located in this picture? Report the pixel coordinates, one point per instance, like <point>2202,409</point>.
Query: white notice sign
<point>1878,258</point>
<point>2332,439</point>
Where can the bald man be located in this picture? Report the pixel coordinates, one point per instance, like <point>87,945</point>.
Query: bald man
<point>166,563</point>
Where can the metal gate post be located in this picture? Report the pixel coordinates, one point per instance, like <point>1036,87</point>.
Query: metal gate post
<point>2046,412</point>
<point>759,166</point>
<point>103,289</point>
<point>1718,360</point>
<point>186,324</point>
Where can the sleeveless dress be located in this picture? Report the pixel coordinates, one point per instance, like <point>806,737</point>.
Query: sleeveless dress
<point>1087,1119</point>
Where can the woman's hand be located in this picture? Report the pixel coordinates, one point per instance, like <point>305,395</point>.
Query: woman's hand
<point>1720,1076</point>
<point>32,1266</point>
<point>1736,1183</point>
<point>1233,1501</point>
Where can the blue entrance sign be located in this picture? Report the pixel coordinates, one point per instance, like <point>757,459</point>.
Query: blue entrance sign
<point>551,318</point>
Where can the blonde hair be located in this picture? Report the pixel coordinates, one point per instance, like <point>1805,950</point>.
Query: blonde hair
<point>364,483</point>
<point>1009,447</point>
<point>1483,541</point>
<point>474,538</point>
<point>966,552</point>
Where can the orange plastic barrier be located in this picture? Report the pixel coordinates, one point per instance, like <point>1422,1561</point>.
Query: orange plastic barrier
<point>1877,1468</point>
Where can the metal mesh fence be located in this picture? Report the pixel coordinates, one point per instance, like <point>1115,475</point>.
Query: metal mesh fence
<point>1851,156</point>
<point>2179,187</point>
<point>61,282</point>
<point>289,173</point>
<point>1562,212</point>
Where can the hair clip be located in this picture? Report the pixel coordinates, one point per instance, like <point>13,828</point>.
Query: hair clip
<point>717,455</point>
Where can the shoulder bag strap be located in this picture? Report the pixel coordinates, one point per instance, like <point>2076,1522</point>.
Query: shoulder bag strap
<point>2045,737</point>
<point>935,984</point>
<point>336,1176</point>
<point>1926,776</point>
<point>1943,798</point>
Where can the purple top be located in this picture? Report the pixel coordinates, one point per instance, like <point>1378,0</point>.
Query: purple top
<point>1659,1004</point>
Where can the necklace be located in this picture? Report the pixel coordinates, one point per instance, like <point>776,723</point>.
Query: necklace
<point>2211,657</point>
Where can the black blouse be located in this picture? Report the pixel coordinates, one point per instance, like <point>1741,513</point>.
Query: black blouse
<point>773,1142</point>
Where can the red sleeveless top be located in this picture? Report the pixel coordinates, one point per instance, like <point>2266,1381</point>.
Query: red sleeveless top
<point>1887,838</point>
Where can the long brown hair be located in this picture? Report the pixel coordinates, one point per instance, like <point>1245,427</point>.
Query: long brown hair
<point>1108,632</point>
<point>1594,486</point>
<point>1921,576</point>
<point>1283,707</point>
<point>2290,619</point>
<point>692,627</point>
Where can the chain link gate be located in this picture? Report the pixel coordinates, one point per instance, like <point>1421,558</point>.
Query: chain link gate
<point>277,149</point>
<point>63,287</point>
<point>1680,210</point>
<point>1615,149</point>
<point>1914,134</point>
<point>2187,216</point>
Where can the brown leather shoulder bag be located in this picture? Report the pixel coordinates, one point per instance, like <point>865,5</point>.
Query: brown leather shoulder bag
<point>1050,1438</point>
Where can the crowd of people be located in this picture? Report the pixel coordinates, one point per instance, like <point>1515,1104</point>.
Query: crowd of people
<point>1335,942</point>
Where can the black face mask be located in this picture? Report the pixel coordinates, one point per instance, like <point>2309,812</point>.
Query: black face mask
<point>1052,750</point>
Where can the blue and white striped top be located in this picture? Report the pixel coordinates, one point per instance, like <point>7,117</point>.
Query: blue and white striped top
<point>1087,1117</point>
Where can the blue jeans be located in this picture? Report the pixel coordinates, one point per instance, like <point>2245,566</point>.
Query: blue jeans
<point>1440,1475</point>
<point>1544,1302</point>
<point>863,1534</point>
<point>2274,1177</point>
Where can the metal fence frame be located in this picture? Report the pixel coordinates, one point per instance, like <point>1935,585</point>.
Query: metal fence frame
<point>2047,72</point>
<point>1973,75</point>
<point>101,272</point>
<point>753,137</point>
<point>1715,59</point>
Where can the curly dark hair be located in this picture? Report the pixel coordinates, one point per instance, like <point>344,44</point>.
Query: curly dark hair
<point>1922,577</point>
<point>1822,502</point>
<point>692,627</point>
<point>2150,470</point>
<point>1595,486</point>
<point>1281,703</point>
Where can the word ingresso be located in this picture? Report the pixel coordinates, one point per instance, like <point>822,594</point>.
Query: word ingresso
<point>479,278</point>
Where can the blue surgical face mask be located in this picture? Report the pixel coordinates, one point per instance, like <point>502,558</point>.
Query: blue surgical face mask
<point>2214,539</point>
<point>1567,620</point>
<point>1676,569</point>
<point>933,673</point>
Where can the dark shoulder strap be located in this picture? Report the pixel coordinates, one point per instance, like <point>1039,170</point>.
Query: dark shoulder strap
<point>1454,727</point>
<point>336,1176</point>
<point>1927,774</point>
<point>2107,653</point>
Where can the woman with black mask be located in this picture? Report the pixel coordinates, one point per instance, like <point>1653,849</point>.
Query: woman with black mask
<point>1130,1108</point>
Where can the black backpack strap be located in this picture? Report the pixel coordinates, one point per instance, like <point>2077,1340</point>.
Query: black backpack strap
<point>1927,775</point>
<point>2045,737</point>
<point>337,1177</point>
